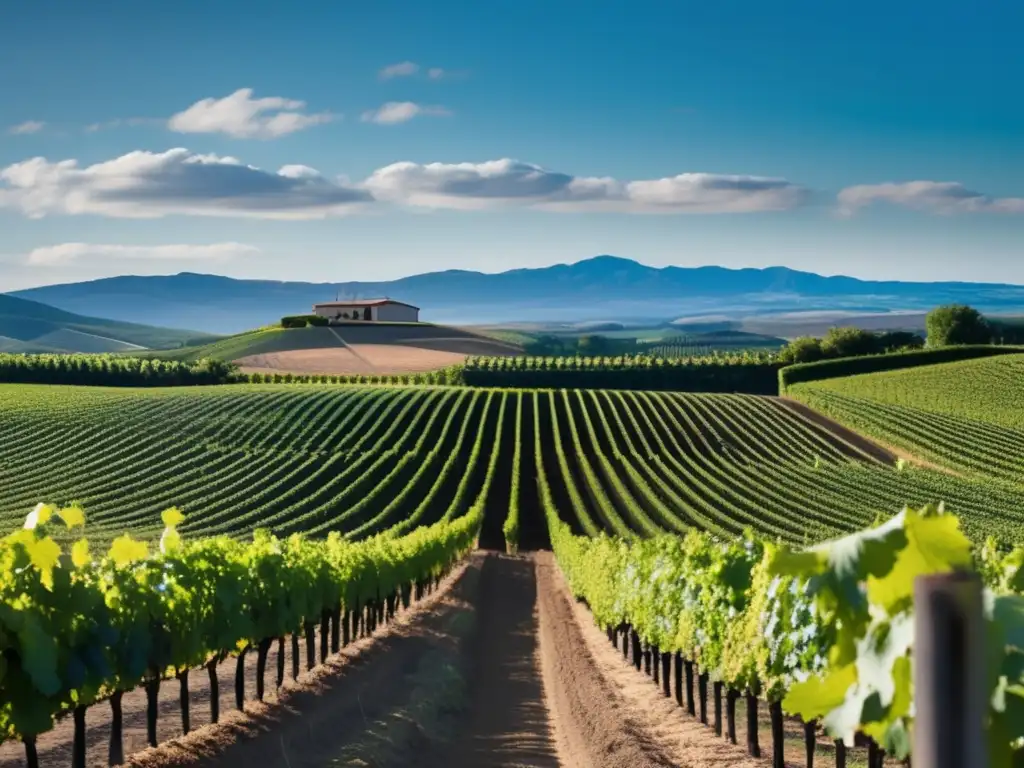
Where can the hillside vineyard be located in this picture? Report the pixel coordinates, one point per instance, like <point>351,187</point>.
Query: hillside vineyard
<point>360,460</point>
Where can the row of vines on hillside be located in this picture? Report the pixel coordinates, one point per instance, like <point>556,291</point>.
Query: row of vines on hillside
<point>362,460</point>
<point>77,629</point>
<point>754,373</point>
<point>758,620</point>
<point>112,371</point>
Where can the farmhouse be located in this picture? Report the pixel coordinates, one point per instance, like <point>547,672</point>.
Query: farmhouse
<point>368,310</point>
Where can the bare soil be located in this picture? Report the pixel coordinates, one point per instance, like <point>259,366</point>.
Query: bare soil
<point>378,349</point>
<point>359,359</point>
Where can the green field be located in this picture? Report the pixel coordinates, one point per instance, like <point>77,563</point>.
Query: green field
<point>28,327</point>
<point>364,460</point>
<point>965,415</point>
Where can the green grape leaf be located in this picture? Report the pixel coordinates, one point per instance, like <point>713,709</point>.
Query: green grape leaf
<point>72,516</point>
<point>935,544</point>
<point>903,696</point>
<point>817,696</point>
<point>38,516</point>
<point>125,550</point>
<point>39,655</point>
<point>30,713</point>
<point>867,553</point>
<point>1008,614</point>
<point>44,554</point>
<point>172,517</point>
<point>80,555</point>
<point>790,562</point>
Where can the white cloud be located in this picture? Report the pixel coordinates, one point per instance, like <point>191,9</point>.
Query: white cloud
<point>243,117</point>
<point>402,69</point>
<point>436,73</point>
<point>29,126</point>
<point>400,112</point>
<point>150,185</point>
<point>510,182</point>
<point>68,253</point>
<point>943,197</point>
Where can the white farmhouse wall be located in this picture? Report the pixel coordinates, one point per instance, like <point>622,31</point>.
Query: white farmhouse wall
<point>386,313</point>
<point>396,313</point>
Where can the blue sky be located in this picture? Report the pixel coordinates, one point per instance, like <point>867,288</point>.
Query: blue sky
<point>881,140</point>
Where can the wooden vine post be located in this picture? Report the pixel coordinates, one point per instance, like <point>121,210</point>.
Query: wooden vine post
<point>753,743</point>
<point>280,662</point>
<point>115,751</point>
<point>691,709</point>
<point>240,679</point>
<point>679,678</point>
<point>78,745</point>
<point>778,734</point>
<point>949,671</point>
<point>262,651</point>
<point>211,671</point>
<point>152,706</point>
<point>183,698</point>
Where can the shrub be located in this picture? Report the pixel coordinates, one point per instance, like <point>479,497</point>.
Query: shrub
<point>805,349</point>
<point>849,342</point>
<point>956,324</point>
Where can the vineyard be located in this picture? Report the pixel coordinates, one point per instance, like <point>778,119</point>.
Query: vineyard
<point>681,520</point>
<point>964,415</point>
<point>752,372</point>
<point>364,460</point>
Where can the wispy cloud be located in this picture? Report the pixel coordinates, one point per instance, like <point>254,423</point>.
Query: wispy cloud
<point>400,112</point>
<point>401,69</point>
<point>412,69</point>
<point>941,197</point>
<point>243,117</point>
<point>506,182</point>
<point>151,185</point>
<point>70,253</point>
<point>125,122</point>
<point>29,126</point>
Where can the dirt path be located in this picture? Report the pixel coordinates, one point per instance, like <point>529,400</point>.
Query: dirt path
<point>548,690</point>
<point>507,722</point>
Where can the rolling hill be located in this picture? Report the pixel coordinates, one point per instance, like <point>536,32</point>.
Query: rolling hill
<point>604,288</point>
<point>29,326</point>
<point>346,349</point>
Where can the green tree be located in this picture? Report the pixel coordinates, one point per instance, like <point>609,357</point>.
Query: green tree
<point>849,342</point>
<point>956,324</point>
<point>592,345</point>
<point>805,349</point>
<point>891,341</point>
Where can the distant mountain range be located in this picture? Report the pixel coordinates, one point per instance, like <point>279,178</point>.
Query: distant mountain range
<point>605,288</point>
<point>28,326</point>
